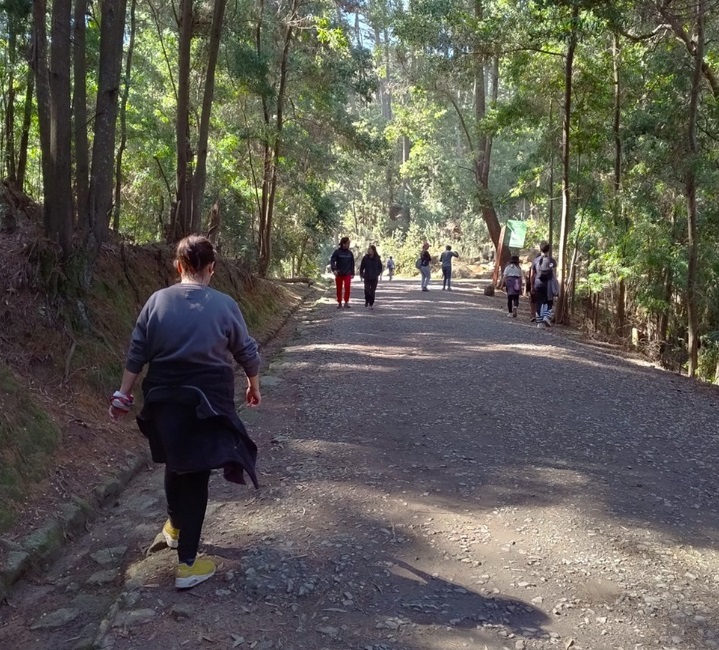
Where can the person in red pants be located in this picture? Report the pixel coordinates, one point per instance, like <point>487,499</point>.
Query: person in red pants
<point>342,264</point>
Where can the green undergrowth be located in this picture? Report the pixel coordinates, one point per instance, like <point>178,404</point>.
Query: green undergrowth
<point>27,439</point>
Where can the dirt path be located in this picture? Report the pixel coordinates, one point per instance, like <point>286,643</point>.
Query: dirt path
<point>435,476</point>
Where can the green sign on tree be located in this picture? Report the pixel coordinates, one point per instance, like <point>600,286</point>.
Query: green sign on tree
<point>515,233</point>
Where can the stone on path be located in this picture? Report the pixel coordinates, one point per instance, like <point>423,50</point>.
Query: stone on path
<point>134,617</point>
<point>109,555</point>
<point>58,618</point>
<point>103,577</point>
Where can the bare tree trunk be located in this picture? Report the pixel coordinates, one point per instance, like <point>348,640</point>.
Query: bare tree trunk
<point>10,166</point>
<point>691,192</point>
<point>272,152</point>
<point>387,104</point>
<point>262,245</point>
<point>562,315</point>
<point>39,65</point>
<point>618,210</point>
<point>79,111</point>
<point>484,142</point>
<point>58,187</point>
<point>112,30</point>
<point>200,175</point>
<point>266,254</point>
<point>181,221</point>
<point>550,240</point>
<point>123,119</point>
<point>25,133</point>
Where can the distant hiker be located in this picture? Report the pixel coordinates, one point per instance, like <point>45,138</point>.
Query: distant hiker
<point>370,271</point>
<point>446,261</point>
<point>423,264</point>
<point>342,264</point>
<point>513,281</point>
<point>188,333</point>
<point>544,283</point>
<point>390,267</point>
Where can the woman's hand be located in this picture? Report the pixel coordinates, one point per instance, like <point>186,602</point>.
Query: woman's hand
<point>253,397</point>
<point>120,404</point>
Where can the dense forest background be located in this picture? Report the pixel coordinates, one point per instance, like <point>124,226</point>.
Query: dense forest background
<point>273,126</point>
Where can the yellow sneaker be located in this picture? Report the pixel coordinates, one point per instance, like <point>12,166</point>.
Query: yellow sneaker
<point>189,576</point>
<point>172,534</point>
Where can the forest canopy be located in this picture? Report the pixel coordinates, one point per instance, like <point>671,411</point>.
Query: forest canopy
<point>275,126</point>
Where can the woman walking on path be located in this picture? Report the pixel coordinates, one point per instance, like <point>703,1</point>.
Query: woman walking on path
<point>512,281</point>
<point>370,271</point>
<point>424,266</point>
<point>342,264</point>
<point>188,334</point>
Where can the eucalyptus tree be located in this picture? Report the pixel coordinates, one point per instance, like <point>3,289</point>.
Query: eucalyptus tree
<point>455,49</point>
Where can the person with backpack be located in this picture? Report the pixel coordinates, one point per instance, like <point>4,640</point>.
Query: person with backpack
<point>423,264</point>
<point>370,271</point>
<point>544,283</point>
<point>512,281</point>
<point>342,264</point>
<point>390,268</point>
<point>446,260</point>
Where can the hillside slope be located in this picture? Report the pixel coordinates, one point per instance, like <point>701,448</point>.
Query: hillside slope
<point>60,360</point>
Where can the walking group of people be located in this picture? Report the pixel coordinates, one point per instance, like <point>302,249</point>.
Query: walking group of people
<point>540,284</point>
<point>342,265</point>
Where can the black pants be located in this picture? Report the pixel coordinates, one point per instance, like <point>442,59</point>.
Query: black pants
<point>446,277</point>
<point>186,504</point>
<point>512,301</point>
<point>542,298</point>
<point>370,288</point>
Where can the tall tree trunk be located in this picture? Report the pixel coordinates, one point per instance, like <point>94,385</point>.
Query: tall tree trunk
<point>10,162</point>
<point>550,240</point>
<point>25,133</point>
<point>272,152</point>
<point>123,119</point>
<point>200,175</point>
<point>617,207</point>
<point>387,103</point>
<point>562,312</point>
<point>691,193</point>
<point>181,220</point>
<point>79,110</point>
<point>484,142</point>
<point>112,30</point>
<point>57,207</point>
<point>262,245</point>
<point>39,65</point>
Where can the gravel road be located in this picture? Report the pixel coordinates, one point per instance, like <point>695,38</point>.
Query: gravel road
<point>435,476</point>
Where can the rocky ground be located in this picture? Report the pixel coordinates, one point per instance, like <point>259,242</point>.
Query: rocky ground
<point>435,476</point>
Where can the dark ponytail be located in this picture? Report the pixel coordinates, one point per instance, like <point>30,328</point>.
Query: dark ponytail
<point>195,253</point>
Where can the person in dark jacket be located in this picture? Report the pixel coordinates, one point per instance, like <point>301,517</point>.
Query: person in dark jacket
<point>342,264</point>
<point>189,333</point>
<point>370,271</point>
<point>544,281</point>
<point>425,270</point>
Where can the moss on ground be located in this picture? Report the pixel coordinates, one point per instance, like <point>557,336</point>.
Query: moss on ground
<point>28,437</point>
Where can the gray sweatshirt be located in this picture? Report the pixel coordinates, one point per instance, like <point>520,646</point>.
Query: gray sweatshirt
<point>195,324</point>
